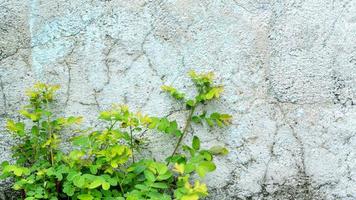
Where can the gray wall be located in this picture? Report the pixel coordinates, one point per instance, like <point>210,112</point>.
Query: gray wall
<point>289,67</point>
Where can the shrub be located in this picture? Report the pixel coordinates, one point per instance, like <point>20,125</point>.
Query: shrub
<point>103,163</point>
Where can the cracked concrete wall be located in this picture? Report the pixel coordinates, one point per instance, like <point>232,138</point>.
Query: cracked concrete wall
<point>289,68</point>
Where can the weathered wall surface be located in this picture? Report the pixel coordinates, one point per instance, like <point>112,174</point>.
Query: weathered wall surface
<point>289,68</point>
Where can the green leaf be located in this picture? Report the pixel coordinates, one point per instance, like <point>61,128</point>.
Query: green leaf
<point>96,194</point>
<point>4,164</point>
<point>59,176</point>
<point>73,175</point>
<point>18,171</point>
<point>105,185</point>
<point>96,183</point>
<point>142,187</point>
<point>76,154</point>
<point>214,93</point>
<point>226,118</point>
<point>218,150</point>
<point>164,176</point>
<point>163,124</point>
<point>209,121</point>
<point>219,123</point>
<point>154,122</point>
<point>118,150</point>
<point>35,130</point>
<point>173,91</point>
<point>220,119</point>
<point>74,120</point>
<point>111,180</point>
<point>161,168</point>
<point>139,168</point>
<point>94,169</point>
<point>85,197</point>
<point>207,155</point>
<point>178,133</point>
<point>191,103</point>
<point>172,128</point>
<point>149,176</point>
<point>79,181</point>
<point>160,185</point>
<point>204,167</point>
<point>196,119</point>
<point>29,115</point>
<point>215,115</point>
<point>187,148</point>
<point>82,141</point>
<point>68,189</point>
<point>176,159</point>
<point>18,127</point>
<point>196,143</point>
<point>105,115</point>
<point>189,167</point>
<point>202,78</point>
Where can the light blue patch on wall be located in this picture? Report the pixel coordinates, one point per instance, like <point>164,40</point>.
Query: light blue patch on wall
<point>53,40</point>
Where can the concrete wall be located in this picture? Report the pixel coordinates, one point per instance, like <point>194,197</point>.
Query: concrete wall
<point>289,67</point>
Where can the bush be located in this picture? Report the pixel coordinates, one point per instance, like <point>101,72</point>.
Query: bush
<point>102,163</point>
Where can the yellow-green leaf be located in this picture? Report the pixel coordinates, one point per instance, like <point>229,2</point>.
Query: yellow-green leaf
<point>179,168</point>
<point>105,185</point>
<point>96,183</point>
<point>85,197</point>
<point>216,150</point>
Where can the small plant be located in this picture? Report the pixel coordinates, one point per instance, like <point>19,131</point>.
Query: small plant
<point>103,164</point>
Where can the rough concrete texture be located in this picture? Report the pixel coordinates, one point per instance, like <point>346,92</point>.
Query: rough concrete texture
<point>289,67</point>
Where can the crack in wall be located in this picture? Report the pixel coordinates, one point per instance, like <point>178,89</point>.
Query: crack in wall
<point>264,184</point>
<point>96,93</point>
<point>300,164</point>
<point>69,82</point>
<point>243,7</point>
<point>3,97</point>
<point>107,53</point>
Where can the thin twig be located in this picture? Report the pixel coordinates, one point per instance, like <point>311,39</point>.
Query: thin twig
<point>187,124</point>
<point>132,148</point>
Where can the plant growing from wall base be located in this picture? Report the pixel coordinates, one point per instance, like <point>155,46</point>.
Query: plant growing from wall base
<point>104,163</point>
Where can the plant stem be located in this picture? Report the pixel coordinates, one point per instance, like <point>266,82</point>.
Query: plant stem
<point>122,189</point>
<point>23,194</point>
<point>131,145</point>
<point>120,184</point>
<point>187,124</point>
<point>35,148</point>
<point>112,125</point>
<point>49,128</point>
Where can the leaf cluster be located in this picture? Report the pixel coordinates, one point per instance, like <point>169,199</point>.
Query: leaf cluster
<point>104,163</point>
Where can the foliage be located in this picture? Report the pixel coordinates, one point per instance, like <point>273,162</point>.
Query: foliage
<point>103,163</point>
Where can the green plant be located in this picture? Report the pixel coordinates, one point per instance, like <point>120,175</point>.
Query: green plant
<point>103,164</point>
